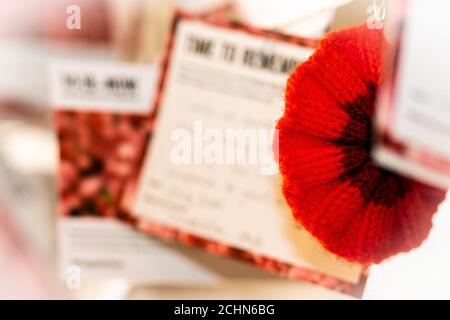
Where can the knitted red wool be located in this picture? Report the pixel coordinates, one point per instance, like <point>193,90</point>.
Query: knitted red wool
<point>355,209</point>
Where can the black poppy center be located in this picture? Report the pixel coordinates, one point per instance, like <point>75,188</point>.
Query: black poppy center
<point>376,185</point>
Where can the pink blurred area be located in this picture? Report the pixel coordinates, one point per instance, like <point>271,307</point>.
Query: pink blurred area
<point>21,276</point>
<point>47,18</point>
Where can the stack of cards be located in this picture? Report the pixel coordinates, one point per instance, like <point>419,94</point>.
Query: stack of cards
<point>103,116</point>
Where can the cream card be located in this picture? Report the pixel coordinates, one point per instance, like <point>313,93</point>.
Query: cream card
<point>220,84</point>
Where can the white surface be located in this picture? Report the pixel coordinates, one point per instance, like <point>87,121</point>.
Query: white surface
<point>270,14</point>
<point>311,27</point>
<point>421,273</point>
<point>246,289</point>
<point>199,6</point>
<point>28,149</point>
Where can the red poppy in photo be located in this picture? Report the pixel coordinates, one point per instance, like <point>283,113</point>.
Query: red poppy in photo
<point>357,210</point>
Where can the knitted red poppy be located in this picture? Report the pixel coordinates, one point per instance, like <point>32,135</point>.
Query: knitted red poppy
<point>355,209</point>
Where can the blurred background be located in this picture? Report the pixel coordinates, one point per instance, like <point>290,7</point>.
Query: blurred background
<point>34,33</point>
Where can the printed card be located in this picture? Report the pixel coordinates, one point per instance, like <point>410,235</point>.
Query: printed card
<point>209,178</point>
<point>103,119</point>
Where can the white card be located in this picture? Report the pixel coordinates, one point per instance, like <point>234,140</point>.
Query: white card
<point>102,248</point>
<point>101,86</point>
<point>423,98</point>
<point>413,119</point>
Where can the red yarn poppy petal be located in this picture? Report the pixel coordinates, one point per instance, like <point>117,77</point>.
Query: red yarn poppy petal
<point>315,95</point>
<point>326,211</point>
<point>307,159</point>
<point>345,224</point>
<point>320,116</point>
<point>355,209</point>
<point>349,60</point>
